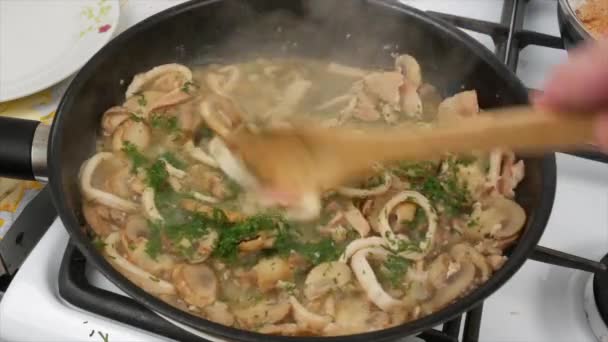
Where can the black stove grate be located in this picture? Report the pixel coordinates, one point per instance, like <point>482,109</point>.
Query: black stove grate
<point>509,38</point>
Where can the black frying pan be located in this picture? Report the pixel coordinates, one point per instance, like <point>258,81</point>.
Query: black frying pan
<point>353,32</point>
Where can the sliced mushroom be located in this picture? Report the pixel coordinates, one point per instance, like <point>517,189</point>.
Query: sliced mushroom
<point>362,193</point>
<point>141,80</point>
<point>326,277</point>
<point>205,247</point>
<point>118,183</point>
<point>368,281</point>
<point>100,225</point>
<point>464,251</point>
<point>143,279</point>
<point>285,329</point>
<point>218,312</point>
<point>512,174</point>
<point>384,85</point>
<point>172,98</point>
<point>307,319</point>
<point>196,284</point>
<point>112,118</point>
<point>162,264</point>
<point>438,270</point>
<point>390,237</point>
<point>266,312</point>
<point>270,270</point>
<point>135,132</point>
<point>496,261</point>
<point>136,228</point>
<point>97,195</point>
<point>221,115</point>
<point>408,66</point>
<point>263,241</point>
<point>411,103</point>
<point>454,108</point>
<point>455,287</point>
<point>502,219</point>
<point>224,81</point>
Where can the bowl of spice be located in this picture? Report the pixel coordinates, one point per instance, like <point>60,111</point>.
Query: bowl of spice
<point>582,20</point>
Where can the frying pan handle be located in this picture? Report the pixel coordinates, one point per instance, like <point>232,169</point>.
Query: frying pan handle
<point>23,149</point>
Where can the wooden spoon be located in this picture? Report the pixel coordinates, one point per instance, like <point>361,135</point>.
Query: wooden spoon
<point>306,157</point>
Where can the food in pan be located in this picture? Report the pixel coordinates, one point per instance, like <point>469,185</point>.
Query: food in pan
<point>594,15</point>
<point>167,209</point>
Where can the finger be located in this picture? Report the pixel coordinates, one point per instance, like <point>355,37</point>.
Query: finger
<point>581,84</point>
<point>601,131</point>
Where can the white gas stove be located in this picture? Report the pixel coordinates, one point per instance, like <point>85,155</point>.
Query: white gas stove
<point>541,303</point>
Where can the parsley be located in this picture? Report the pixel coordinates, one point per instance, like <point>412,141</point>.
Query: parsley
<point>447,190</point>
<point>168,124</point>
<point>98,243</point>
<point>230,237</point>
<point>418,220</point>
<point>415,170</point>
<point>141,100</point>
<point>136,157</point>
<point>319,252</point>
<point>135,117</point>
<point>156,175</point>
<point>154,245</point>
<point>186,87</point>
<point>104,338</point>
<point>395,268</point>
<point>315,252</point>
<point>194,227</point>
<point>173,160</point>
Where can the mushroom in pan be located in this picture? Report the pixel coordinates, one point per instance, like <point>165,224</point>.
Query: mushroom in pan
<point>326,277</point>
<point>197,284</point>
<point>307,319</point>
<point>262,313</point>
<point>97,195</point>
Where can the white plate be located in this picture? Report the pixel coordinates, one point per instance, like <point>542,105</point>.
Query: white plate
<point>44,41</point>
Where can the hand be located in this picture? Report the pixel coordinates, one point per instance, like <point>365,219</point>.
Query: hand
<point>581,84</point>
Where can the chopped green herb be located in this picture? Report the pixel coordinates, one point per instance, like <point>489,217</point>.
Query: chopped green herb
<point>168,124</point>
<point>316,252</point>
<point>141,100</point>
<point>104,338</point>
<point>230,237</point>
<point>98,243</point>
<point>156,175</point>
<point>137,159</point>
<point>92,333</point>
<point>187,87</point>
<point>418,220</point>
<point>154,279</point>
<point>173,160</point>
<point>447,190</point>
<point>415,170</point>
<point>395,268</point>
<point>154,245</point>
<point>135,117</point>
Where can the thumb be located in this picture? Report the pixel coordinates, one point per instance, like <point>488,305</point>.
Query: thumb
<point>581,84</point>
